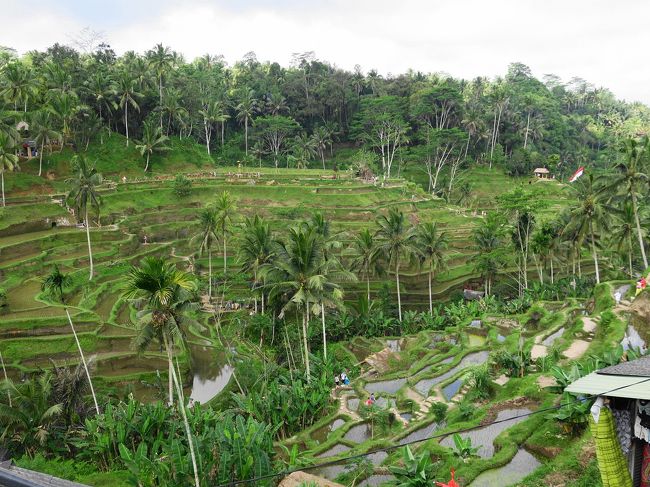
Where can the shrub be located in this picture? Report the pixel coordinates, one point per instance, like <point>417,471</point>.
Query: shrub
<point>439,411</point>
<point>182,186</point>
<point>478,378</point>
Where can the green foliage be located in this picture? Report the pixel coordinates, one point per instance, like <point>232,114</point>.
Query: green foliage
<point>573,414</point>
<point>182,186</point>
<point>439,411</point>
<point>463,447</point>
<point>416,471</point>
<point>480,382</point>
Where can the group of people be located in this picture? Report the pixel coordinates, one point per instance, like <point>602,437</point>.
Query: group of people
<point>341,379</point>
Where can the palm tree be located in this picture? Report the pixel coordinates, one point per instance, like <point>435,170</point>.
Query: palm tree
<point>8,159</point>
<point>207,235</point>
<point>100,89</point>
<point>28,423</point>
<point>152,141</point>
<point>624,232</point>
<point>212,113</point>
<point>294,276</point>
<point>395,240</point>
<point>246,108</point>
<point>303,149</point>
<point>54,284</point>
<point>84,194</point>
<point>431,244</point>
<point>165,292</point>
<point>19,84</point>
<point>365,256</point>
<point>42,131</point>
<point>173,107</point>
<point>160,60</point>
<point>629,180</point>
<point>226,207</point>
<point>488,242</point>
<point>127,94</point>
<point>255,249</point>
<point>590,216</point>
<point>321,138</point>
<point>65,107</point>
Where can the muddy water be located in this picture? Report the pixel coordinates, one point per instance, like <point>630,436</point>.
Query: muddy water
<point>477,358</point>
<point>211,373</point>
<point>419,434</point>
<point>549,340</point>
<point>321,434</point>
<point>475,340</point>
<point>394,345</point>
<point>376,480</point>
<point>358,433</point>
<point>521,465</point>
<point>452,389</point>
<point>335,450</point>
<point>483,438</point>
<point>385,386</point>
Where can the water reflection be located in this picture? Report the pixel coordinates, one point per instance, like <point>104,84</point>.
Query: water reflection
<point>211,373</point>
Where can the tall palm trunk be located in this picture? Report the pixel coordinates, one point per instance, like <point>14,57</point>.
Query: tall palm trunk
<point>126,121</point>
<point>146,166</point>
<point>430,296</point>
<point>4,370</point>
<point>210,274</point>
<point>90,249</point>
<point>246,134</point>
<point>399,296</point>
<point>160,98</point>
<point>181,406</point>
<point>368,284</point>
<point>83,360</point>
<point>304,340</point>
<point>40,159</point>
<point>2,177</point>
<point>322,156</point>
<point>593,251</point>
<point>225,254</point>
<point>638,231</point>
<point>322,315</point>
<point>629,256</point>
<point>527,127</point>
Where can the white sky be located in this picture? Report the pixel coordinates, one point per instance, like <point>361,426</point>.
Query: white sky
<point>605,42</point>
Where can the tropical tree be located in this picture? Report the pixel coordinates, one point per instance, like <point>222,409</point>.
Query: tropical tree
<point>321,138</point>
<point>152,141</point>
<point>365,256</point>
<point>490,248</point>
<point>256,249</point>
<point>165,293</point>
<point>125,87</point>
<point>395,241</point>
<point>8,159</point>
<point>294,276</point>
<point>43,132</point>
<point>54,284</point>
<point>19,84</point>
<point>160,60</point>
<point>84,194</point>
<point>430,245</point>
<point>246,108</point>
<point>629,180</point>
<point>65,107</point>
<point>590,216</point>
<point>226,207</point>
<point>207,237</point>
<point>303,149</point>
<point>624,232</point>
<point>28,424</point>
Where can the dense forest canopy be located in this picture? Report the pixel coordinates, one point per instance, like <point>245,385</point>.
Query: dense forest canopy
<point>255,110</point>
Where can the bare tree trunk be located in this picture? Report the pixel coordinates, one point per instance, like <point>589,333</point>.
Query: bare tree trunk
<point>186,423</point>
<point>638,230</point>
<point>146,167</point>
<point>593,250</point>
<point>368,286</point>
<point>246,135</point>
<point>6,378</point>
<point>430,298</point>
<point>209,274</point>
<point>225,254</point>
<point>304,342</point>
<point>526,133</point>
<point>399,296</point>
<point>2,177</point>
<point>83,360</point>
<point>90,250</point>
<point>126,121</point>
<point>40,159</point>
<point>322,315</point>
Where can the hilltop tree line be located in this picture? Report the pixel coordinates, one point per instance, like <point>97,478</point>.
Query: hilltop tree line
<point>263,112</point>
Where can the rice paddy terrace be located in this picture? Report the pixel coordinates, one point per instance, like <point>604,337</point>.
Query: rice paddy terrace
<point>143,217</point>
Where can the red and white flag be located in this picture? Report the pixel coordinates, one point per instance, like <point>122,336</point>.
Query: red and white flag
<point>577,174</point>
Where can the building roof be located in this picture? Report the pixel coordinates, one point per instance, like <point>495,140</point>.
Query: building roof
<point>627,379</point>
<point>542,170</point>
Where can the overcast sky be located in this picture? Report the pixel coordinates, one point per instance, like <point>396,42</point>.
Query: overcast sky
<point>603,41</point>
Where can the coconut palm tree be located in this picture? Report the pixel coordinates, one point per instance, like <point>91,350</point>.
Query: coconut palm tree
<point>43,132</point>
<point>624,232</point>
<point>54,284</point>
<point>19,84</point>
<point>246,108</point>
<point>173,107</point>
<point>294,276</point>
<point>303,149</point>
<point>207,236</point>
<point>430,245</point>
<point>226,207</point>
<point>152,141</point>
<point>395,241</point>
<point>365,256</point>
<point>84,195</point>
<point>161,60</point>
<point>629,180</point>
<point>65,107</point>
<point>8,159</point>
<point>101,90</point>
<point>164,292</point>
<point>490,249</point>
<point>590,217</point>
<point>321,138</point>
<point>125,87</point>
<point>256,249</point>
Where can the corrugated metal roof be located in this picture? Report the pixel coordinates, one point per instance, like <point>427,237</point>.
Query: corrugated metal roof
<point>635,368</point>
<point>620,386</point>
